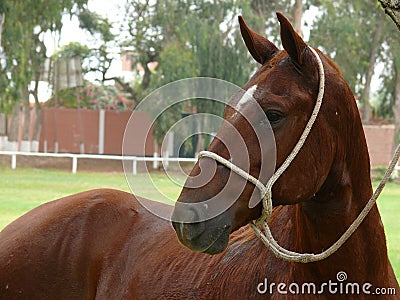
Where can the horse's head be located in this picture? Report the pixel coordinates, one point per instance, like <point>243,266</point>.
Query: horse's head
<point>286,88</point>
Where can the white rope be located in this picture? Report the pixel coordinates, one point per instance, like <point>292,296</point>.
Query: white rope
<point>283,253</point>
<point>266,191</point>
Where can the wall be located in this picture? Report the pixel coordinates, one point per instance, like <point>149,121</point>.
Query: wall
<point>69,127</point>
<point>379,138</point>
<point>380,141</point>
<point>72,127</point>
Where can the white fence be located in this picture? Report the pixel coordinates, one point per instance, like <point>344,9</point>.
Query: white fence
<point>396,172</point>
<point>75,157</point>
<point>134,159</point>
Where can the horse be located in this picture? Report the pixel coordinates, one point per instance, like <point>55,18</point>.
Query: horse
<point>103,244</point>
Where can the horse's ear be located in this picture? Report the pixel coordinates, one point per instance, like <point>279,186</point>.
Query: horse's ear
<point>292,42</point>
<point>259,47</point>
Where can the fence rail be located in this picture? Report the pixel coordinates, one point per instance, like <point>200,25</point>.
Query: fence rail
<point>75,157</point>
<point>134,159</point>
<point>396,172</point>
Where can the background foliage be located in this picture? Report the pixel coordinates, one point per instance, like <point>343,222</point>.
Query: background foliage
<point>189,38</point>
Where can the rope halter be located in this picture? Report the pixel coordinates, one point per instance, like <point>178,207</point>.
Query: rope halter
<point>261,224</point>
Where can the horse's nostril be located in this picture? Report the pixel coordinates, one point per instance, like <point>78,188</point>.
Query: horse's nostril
<point>187,226</point>
<point>192,231</point>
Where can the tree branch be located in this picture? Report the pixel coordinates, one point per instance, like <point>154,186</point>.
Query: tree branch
<point>126,87</point>
<point>392,9</point>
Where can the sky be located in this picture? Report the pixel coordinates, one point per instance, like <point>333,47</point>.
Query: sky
<point>113,10</point>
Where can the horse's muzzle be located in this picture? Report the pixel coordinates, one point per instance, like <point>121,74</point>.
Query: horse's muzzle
<point>209,236</point>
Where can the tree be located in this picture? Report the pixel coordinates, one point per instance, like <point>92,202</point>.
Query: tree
<point>187,39</point>
<point>2,18</point>
<point>218,53</point>
<point>262,13</point>
<point>71,50</point>
<point>101,30</point>
<point>396,100</point>
<point>298,17</point>
<point>26,22</point>
<point>393,9</point>
<point>351,33</point>
<point>389,105</point>
<point>144,25</point>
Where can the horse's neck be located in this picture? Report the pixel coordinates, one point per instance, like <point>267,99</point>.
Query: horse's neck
<point>321,221</point>
<point>313,226</point>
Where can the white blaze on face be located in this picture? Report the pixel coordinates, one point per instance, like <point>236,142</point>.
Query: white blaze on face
<point>247,96</point>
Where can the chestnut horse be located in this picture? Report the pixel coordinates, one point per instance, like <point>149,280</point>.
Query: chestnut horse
<point>103,244</point>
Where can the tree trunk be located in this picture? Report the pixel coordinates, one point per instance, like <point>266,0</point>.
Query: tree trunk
<point>200,137</point>
<point>396,111</point>
<point>298,17</point>
<point>27,114</point>
<point>38,122</point>
<point>26,124</point>
<point>146,77</point>
<point>2,19</point>
<point>13,130</point>
<point>38,109</point>
<point>126,87</point>
<point>365,96</point>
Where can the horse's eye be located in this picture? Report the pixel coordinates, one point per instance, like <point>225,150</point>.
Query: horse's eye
<point>274,116</point>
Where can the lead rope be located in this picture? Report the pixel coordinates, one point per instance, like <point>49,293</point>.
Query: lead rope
<point>266,191</point>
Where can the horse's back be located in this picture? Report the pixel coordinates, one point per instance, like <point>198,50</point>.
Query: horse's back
<point>102,244</point>
<point>57,250</point>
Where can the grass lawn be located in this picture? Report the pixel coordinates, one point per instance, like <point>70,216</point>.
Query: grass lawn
<point>24,188</point>
<point>389,207</point>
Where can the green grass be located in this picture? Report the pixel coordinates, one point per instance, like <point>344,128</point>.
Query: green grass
<point>389,207</point>
<point>24,188</point>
